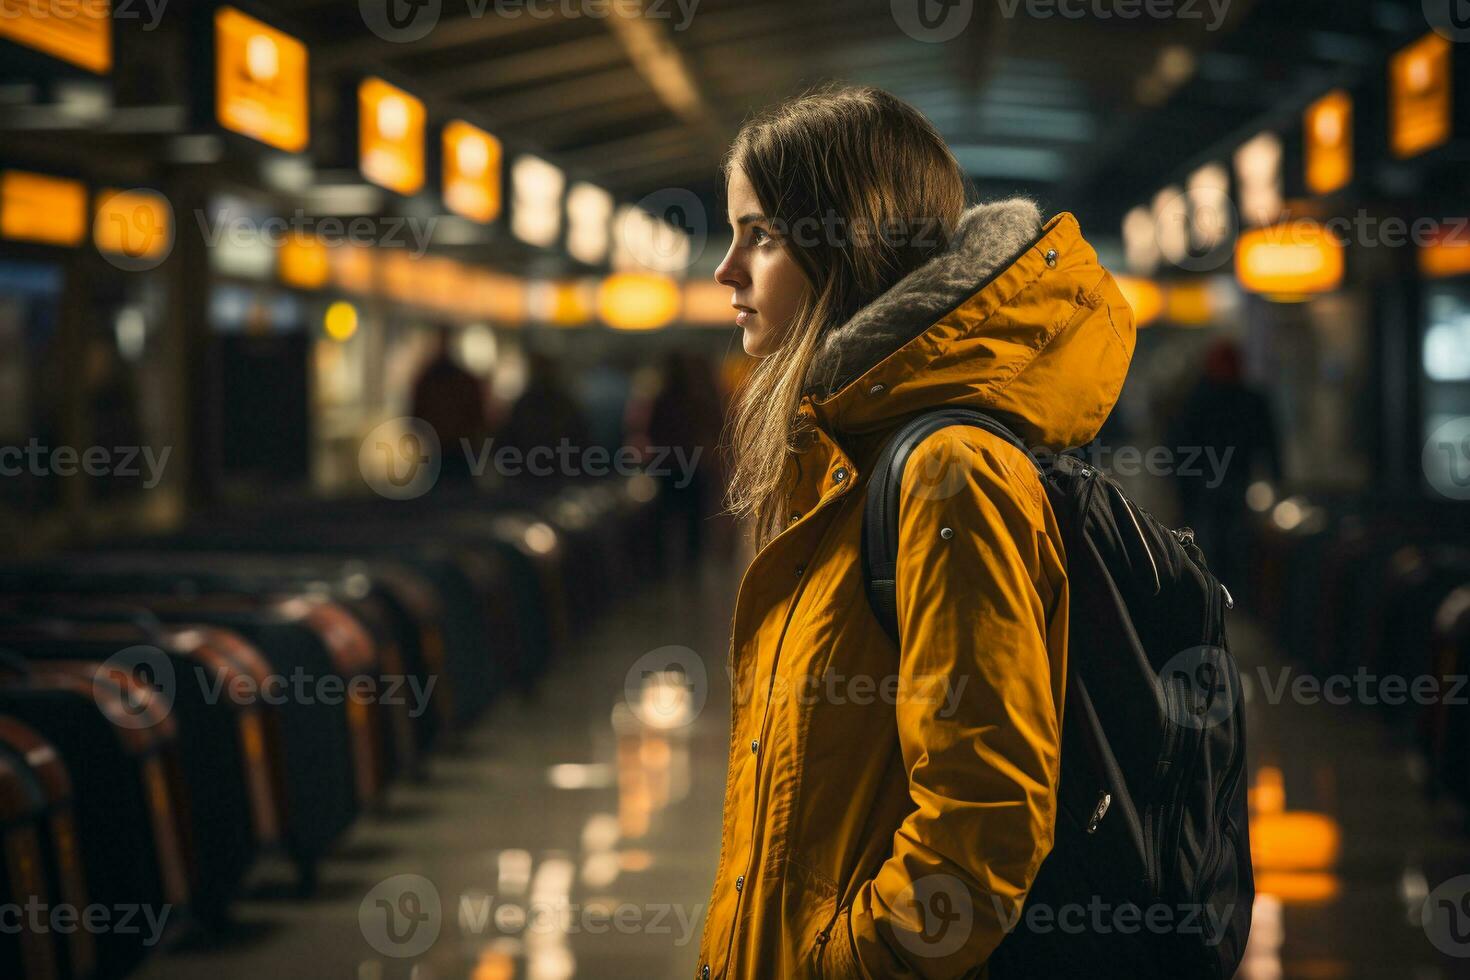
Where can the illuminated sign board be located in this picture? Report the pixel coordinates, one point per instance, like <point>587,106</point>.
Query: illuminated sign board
<point>78,31</point>
<point>260,81</point>
<point>471,172</point>
<point>589,223</point>
<point>1140,244</point>
<point>303,262</point>
<point>644,243</point>
<point>1258,172</point>
<point>37,208</point>
<point>1447,254</point>
<point>1420,100</point>
<point>1328,129</point>
<point>1289,260</point>
<point>638,301</point>
<point>133,224</point>
<point>538,188</point>
<point>391,136</point>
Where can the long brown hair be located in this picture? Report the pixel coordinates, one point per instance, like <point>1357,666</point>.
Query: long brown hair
<point>860,189</point>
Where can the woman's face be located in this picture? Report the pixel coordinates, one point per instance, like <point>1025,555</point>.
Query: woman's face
<point>769,285</point>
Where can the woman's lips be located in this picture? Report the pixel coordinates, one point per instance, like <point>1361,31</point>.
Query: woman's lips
<point>742,317</point>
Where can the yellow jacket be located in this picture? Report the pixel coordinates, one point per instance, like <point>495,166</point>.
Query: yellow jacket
<point>885,814</point>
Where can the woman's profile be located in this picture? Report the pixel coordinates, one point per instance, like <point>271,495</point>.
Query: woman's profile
<point>888,806</point>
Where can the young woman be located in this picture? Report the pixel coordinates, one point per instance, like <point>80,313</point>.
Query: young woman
<point>886,809</point>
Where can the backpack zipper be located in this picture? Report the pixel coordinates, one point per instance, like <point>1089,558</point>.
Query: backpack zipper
<point>1227,789</point>
<point>1103,802</point>
<point>1128,506</point>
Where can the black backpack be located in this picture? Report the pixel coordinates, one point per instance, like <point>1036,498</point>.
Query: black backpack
<point>1150,874</point>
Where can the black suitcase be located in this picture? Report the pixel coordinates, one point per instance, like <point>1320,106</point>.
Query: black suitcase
<point>60,851</point>
<point>331,749</point>
<point>121,750</point>
<point>225,810</point>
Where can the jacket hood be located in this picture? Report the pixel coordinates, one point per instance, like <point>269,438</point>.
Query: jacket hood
<point>1014,316</point>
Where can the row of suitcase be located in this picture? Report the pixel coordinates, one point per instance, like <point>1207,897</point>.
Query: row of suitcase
<point>174,709</point>
<point>1380,591</point>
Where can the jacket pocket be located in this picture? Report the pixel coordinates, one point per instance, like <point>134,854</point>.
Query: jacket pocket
<point>811,898</point>
<point>837,960</point>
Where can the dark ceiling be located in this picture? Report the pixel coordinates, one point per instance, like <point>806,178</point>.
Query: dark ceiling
<point>1087,112</point>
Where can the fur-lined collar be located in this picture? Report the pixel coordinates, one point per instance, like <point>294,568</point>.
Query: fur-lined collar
<point>988,239</point>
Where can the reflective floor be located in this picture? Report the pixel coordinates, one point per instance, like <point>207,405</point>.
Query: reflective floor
<point>566,837</point>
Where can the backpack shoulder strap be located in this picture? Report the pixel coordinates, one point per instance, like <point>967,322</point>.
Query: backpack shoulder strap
<point>880,511</point>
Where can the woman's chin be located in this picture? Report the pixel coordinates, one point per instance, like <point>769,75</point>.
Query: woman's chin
<point>753,342</point>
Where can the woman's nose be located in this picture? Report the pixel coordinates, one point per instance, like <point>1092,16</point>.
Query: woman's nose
<point>730,273</point>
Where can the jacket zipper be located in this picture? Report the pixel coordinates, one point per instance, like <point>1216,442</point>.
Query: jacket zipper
<point>761,734</point>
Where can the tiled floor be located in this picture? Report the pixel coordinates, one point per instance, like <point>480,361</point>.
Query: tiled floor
<point>571,803</point>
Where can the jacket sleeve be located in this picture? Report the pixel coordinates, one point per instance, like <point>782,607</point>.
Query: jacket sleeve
<point>978,715</point>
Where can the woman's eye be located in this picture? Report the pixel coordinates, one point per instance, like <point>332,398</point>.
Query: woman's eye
<point>759,236</point>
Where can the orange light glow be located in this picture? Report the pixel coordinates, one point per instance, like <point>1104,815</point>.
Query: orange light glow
<point>135,224</point>
<point>398,271</point>
<point>471,172</point>
<point>707,303</point>
<point>438,284</point>
<point>1144,295</point>
<point>638,301</point>
<point>498,297</point>
<point>1189,304</point>
<point>1296,259</point>
<point>1448,254</point>
<point>260,81</point>
<point>37,208</point>
<point>567,303</point>
<point>1328,129</point>
<point>1299,888</point>
<point>1420,96</point>
<point>391,136</point>
<point>303,262</point>
<point>78,31</point>
<point>1268,795</point>
<point>352,267</point>
<point>1294,841</point>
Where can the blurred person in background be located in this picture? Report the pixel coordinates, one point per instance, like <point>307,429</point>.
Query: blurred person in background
<point>870,292</point>
<point>453,402</point>
<point>1228,428</point>
<point>544,416</point>
<point>683,427</point>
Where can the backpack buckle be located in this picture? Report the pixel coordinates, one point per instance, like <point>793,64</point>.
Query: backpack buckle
<point>1103,802</point>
